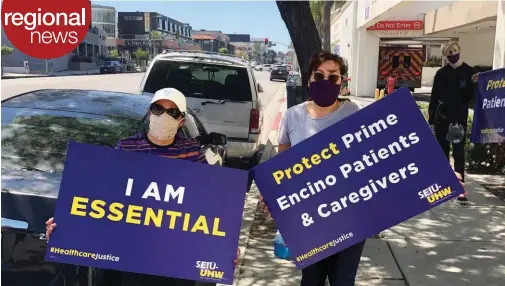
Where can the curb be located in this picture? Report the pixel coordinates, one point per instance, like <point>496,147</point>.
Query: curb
<point>48,75</point>
<point>250,206</point>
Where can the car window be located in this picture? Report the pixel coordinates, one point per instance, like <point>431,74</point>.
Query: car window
<point>293,78</point>
<point>406,62</point>
<point>201,129</point>
<point>200,80</point>
<point>396,62</point>
<point>280,68</point>
<point>35,138</point>
<point>191,127</point>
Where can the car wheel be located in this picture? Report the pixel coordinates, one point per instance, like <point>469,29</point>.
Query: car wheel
<point>260,69</point>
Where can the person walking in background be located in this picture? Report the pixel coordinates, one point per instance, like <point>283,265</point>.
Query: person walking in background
<point>166,115</point>
<point>453,90</point>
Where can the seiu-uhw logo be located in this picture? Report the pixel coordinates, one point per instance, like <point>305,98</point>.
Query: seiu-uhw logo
<point>435,193</point>
<point>209,270</point>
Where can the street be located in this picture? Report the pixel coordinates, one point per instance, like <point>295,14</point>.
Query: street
<point>130,83</point>
<point>127,82</point>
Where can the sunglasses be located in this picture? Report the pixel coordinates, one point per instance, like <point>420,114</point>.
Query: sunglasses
<point>158,110</point>
<point>334,78</point>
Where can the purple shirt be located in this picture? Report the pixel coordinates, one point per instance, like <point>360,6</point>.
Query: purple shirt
<point>181,148</point>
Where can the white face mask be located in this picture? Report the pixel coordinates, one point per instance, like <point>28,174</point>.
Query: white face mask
<point>163,126</point>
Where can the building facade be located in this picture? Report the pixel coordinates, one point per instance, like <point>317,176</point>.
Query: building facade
<point>218,38</point>
<point>479,28</point>
<point>105,18</point>
<point>154,32</point>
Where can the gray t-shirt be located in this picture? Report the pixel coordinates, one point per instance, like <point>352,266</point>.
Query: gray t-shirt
<point>297,125</point>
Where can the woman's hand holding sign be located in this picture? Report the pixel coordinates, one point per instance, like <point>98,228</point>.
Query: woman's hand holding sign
<point>50,225</point>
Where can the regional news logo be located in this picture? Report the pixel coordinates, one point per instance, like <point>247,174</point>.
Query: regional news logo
<point>209,270</point>
<point>46,29</point>
<point>435,194</point>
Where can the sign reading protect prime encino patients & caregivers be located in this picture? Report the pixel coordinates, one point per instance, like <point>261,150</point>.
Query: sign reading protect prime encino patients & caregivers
<point>489,111</point>
<point>368,172</point>
<point>139,213</point>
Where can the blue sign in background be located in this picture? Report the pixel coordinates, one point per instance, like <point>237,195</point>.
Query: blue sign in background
<point>489,111</point>
<point>101,173</point>
<point>388,207</point>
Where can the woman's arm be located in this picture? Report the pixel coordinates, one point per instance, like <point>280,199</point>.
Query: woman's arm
<point>284,147</point>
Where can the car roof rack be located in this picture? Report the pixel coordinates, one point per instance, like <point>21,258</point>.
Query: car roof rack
<point>217,56</point>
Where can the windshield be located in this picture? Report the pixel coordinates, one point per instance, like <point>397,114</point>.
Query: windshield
<point>201,80</point>
<point>108,63</point>
<point>281,68</point>
<point>293,78</point>
<point>37,139</point>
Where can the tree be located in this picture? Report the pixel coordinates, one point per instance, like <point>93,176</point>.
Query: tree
<point>242,54</point>
<point>271,56</point>
<point>156,35</point>
<point>303,32</point>
<point>6,50</point>
<point>257,51</point>
<point>114,53</point>
<point>223,51</point>
<point>316,9</point>
<point>141,54</point>
<point>327,25</point>
<point>280,54</point>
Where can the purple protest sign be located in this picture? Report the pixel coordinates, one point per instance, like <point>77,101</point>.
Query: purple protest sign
<point>368,172</point>
<point>146,214</point>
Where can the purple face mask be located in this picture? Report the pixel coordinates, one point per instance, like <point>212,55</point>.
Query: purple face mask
<point>324,93</point>
<point>453,59</point>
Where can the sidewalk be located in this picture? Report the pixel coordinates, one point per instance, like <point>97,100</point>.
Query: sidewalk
<point>62,73</point>
<point>448,245</point>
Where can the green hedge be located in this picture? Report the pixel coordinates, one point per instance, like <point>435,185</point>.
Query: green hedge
<point>481,158</point>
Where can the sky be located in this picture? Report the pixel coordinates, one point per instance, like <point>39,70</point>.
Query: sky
<point>260,19</point>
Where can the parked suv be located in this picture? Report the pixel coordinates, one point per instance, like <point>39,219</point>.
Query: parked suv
<point>279,72</point>
<point>111,67</point>
<point>221,90</point>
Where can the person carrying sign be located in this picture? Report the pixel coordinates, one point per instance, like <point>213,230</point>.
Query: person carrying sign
<point>453,90</point>
<point>307,119</point>
<point>166,115</point>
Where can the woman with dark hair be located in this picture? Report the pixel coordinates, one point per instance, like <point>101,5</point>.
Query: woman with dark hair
<point>304,120</point>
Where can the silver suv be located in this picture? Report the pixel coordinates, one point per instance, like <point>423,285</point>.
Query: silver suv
<point>221,90</point>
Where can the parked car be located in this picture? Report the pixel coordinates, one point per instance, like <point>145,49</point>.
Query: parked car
<point>111,67</point>
<point>294,79</point>
<point>221,90</point>
<point>279,72</point>
<point>267,67</point>
<point>36,127</point>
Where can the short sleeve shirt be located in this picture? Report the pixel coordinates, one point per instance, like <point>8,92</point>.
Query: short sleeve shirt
<point>182,148</point>
<point>297,125</point>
